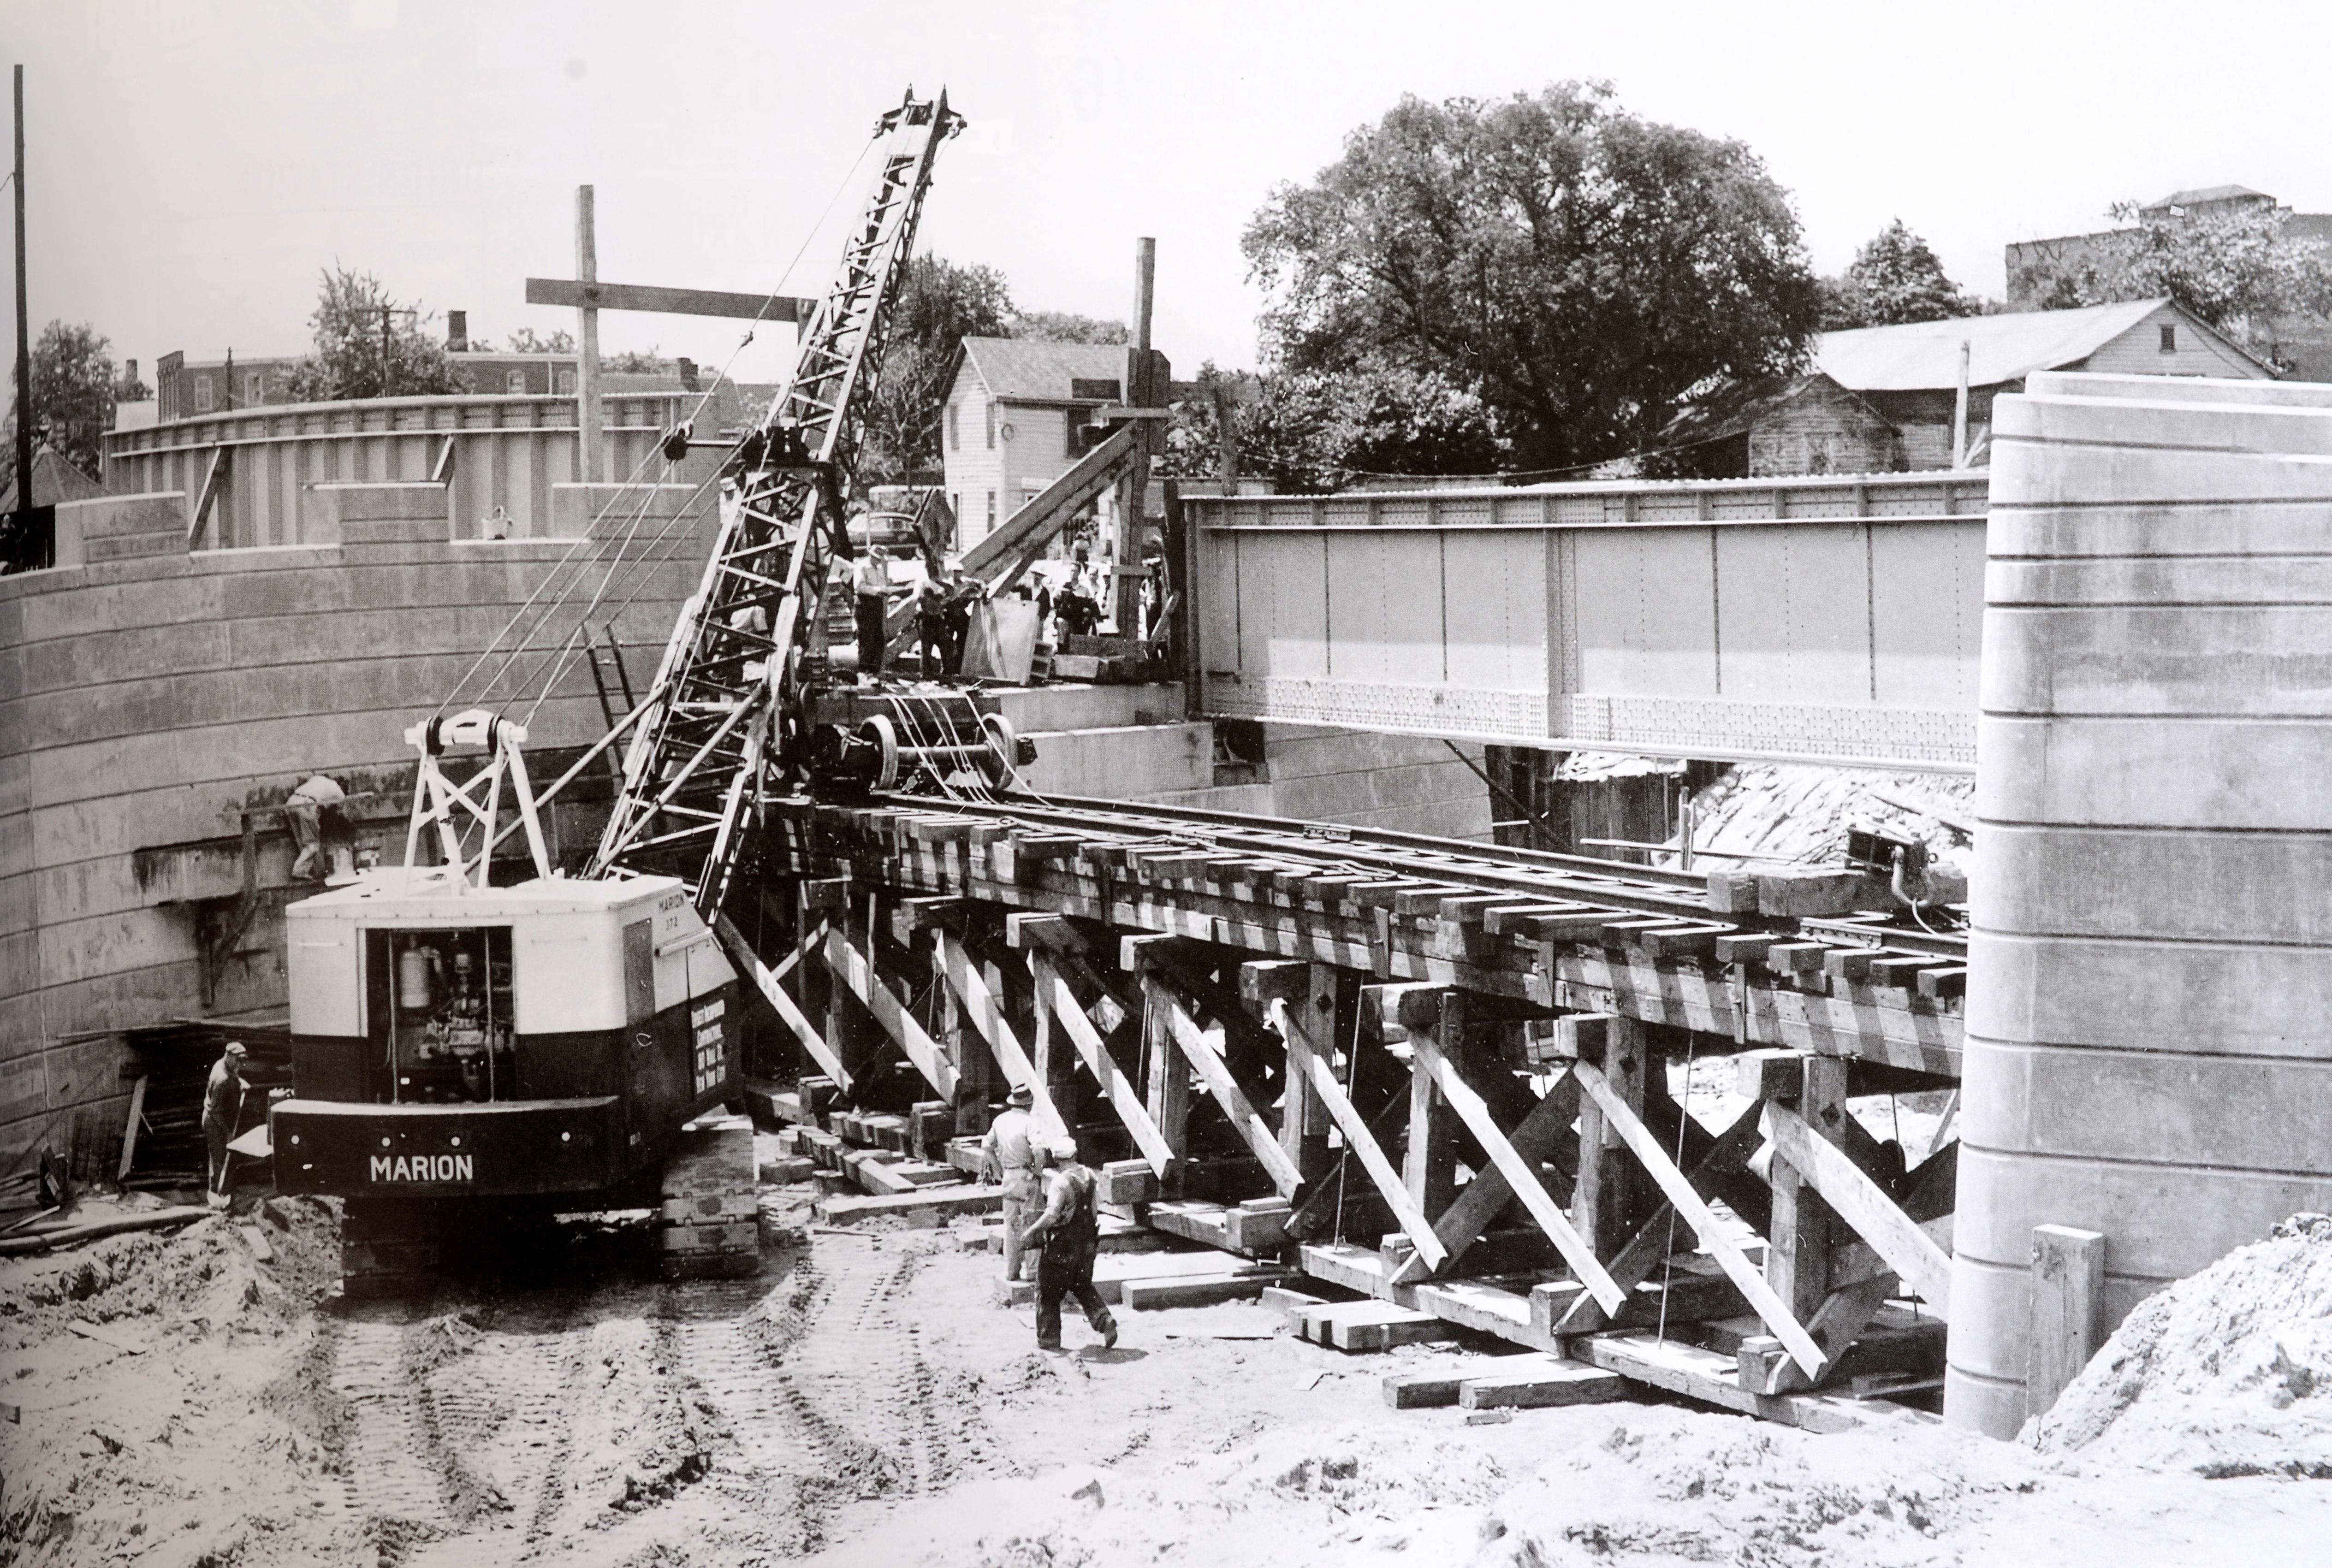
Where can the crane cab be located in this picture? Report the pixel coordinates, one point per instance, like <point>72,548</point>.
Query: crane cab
<point>452,1039</point>
<point>542,1038</point>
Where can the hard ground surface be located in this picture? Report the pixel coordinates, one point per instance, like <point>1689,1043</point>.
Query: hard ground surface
<point>867,1400</point>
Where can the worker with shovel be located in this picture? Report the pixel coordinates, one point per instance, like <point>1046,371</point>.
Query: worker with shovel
<point>222,1116</point>
<point>1069,1231</point>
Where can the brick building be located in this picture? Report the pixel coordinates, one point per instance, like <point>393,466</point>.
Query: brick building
<point>2300,342</point>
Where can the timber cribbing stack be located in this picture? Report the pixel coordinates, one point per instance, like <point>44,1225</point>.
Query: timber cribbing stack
<point>1367,1014</point>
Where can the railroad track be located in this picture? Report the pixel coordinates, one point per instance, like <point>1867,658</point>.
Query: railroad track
<point>1470,867</point>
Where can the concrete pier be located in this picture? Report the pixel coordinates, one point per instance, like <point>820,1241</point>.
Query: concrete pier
<point>2149,1009</point>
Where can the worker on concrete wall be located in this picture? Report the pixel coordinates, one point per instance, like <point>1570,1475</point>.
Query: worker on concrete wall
<point>1069,1231</point>
<point>312,809</point>
<point>222,1116</point>
<point>870,580</point>
<point>1008,1155</point>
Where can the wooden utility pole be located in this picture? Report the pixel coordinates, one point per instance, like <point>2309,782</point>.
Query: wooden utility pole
<point>1141,392</point>
<point>24,339</point>
<point>589,435</point>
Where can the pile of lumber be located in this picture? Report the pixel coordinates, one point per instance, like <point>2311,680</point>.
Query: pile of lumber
<point>173,1062</point>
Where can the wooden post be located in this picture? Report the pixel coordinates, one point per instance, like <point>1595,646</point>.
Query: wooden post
<point>1430,1167</point>
<point>1125,586</point>
<point>589,436</point>
<point>1168,1076</point>
<point>1797,1253</point>
<point>1604,1203</point>
<point>975,1068</point>
<point>2068,1281</point>
<point>1309,991</point>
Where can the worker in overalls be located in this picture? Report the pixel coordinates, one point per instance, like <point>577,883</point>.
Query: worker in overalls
<point>1069,1231</point>
<point>1009,1155</point>
<point>222,1117</point>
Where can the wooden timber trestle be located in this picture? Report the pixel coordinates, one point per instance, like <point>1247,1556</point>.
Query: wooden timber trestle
<point>1366,1014</point>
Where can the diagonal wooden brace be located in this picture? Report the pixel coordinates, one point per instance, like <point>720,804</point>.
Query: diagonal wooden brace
<point>1650,1247</point>
<point>1519,1172</point>
<point>765,980</point>
<point>857,974</point>
<point>1260,1135</point>
<point>987,1019</point>
<point>1863,1204</point>
<point>1647,1148</point>
<point>1360,1142</point>
<point>1533,1138</point>
<point>1124,1098</point>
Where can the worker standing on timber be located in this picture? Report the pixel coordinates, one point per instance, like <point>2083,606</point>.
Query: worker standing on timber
<point>221,1115</point>
<point>931,628</point>
<point>870,579</point>
<point>1008,1155</point>
<point>1070,1233</point>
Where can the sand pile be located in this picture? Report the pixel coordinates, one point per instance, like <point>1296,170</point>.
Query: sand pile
<point>213,1271</point>
<point>1722,1490</point>
<point>1800,814</point>
<point>2225,1373</point>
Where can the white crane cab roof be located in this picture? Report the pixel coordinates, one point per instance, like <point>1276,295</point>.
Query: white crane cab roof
<point>585,954</point>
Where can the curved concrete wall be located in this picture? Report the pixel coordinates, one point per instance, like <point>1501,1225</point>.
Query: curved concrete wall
<point>2149,1009</point>
<point>150,697</point>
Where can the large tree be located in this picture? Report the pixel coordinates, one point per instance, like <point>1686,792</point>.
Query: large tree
<point>2238,271</point>
<point>1578,268</point>
<point>368,344</point>
<point>1310,431</point>
<point>1895,278</point>
<point>939,305</point>
<point>73,394</point>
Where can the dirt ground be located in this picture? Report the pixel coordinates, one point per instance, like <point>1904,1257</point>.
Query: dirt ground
<point>868,1400</point>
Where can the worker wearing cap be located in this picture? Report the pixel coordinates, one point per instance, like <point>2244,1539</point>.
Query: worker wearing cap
<point>1009,1155</point>
<point>1069,1231</point>
<point>221,1115</point>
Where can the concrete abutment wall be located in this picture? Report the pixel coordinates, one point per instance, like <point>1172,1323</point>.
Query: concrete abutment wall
<point>2149,1010</point>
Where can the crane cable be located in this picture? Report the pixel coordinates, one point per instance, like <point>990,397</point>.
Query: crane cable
<point>704,397</point>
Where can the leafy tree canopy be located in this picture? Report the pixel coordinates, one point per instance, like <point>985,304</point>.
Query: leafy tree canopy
<point>1067,327</point>
<point>940,304</point>
<point>2237,270</point>
<point>1895,278</point>
<point>368,345</point>
<point>1574,267</point>
<point>74,389</point>
<point>1311,432</point>
<point>526,340</point>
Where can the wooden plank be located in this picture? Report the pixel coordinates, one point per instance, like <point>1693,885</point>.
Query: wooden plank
<point>2068,1278</point>
<point>965,978</point>
<point>1864,1205</point>
<point>1124,1096</point>
<point>593,295</point>
<point>1358,1141</point>
<point>1704,1225</point>
<point>1201,1290</point>
<point>1713,1379</point>
<point>129,1132</point>
<point>1536,1137</point>
<point>857,973</point>
<point>933,1204</point>
<point>1259,1134</point>
<point>1519,1172</point>
<point>1371,1326</point>
<point>1540,1383</point>
<point>765,981</point>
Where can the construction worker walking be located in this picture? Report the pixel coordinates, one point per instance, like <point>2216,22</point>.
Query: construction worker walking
<point>222,1117</point>
<point>1069,1231</point>
<point>1009,1154</point>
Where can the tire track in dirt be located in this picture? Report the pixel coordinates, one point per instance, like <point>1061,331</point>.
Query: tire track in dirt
<point>394,1484</point>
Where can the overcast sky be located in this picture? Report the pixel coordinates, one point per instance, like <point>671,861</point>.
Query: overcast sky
<point>192,164</point>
